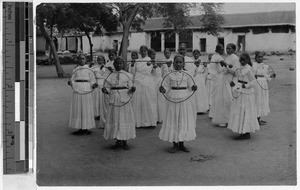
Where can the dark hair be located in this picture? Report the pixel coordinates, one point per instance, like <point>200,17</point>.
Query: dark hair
<point>233,46</point>
<point>112,51</point>
<point>135,53</point>
<point>143,47</point>
<point>257,53</point>
<point>178,55</point>
<point>150,51</point>
<point>119,58</point>
<point>246,56</point>
<point>196,51</point>
<point>219,47</point>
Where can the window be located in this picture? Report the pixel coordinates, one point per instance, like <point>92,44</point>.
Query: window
<point>203,44</point>
<point>260,30</point>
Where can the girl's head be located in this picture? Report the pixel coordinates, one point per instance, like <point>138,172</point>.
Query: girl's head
<point>101,60</point>
<point>219,49</point>
<point>178,62</point>
<point>134,55</point>
<point>81,59</point>
<point>112,54</point>
<point>151,53</point>
<point>167,53</point>
<point>259,56</point>
<point>143,51</point>
<point>245,59</point>
<point>196,53</point>
<point>119,63</point>
<point>230,48</point>
<point>182,49</point>
<point>210,56</point>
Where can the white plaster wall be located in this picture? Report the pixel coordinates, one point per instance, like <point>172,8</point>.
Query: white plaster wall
<point>270,42</point>
<point>254,42</point>
<point>136,40</point>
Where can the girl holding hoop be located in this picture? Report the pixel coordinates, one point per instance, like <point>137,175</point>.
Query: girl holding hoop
<point>262,93</point>
<point>120,119</point>
<point>242,118</point>
<point>180,122</point>
<point>81,109</point>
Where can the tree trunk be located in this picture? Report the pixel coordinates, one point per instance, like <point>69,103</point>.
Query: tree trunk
<point>59,69</point>
<point>91,45</point>
<point>124,44</point>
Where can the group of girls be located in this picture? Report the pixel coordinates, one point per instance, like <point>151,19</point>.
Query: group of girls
<point>141,90</point>
<point>238,91</point>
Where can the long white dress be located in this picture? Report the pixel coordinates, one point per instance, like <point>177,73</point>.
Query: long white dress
<point>120,122</point>
<point>81,109</point>
<point>191,68</point>
<point>98,96</point>
<point>201,93</point>
<point>145,97</point>
<point>223,96</point>
<point>262,92</point>
<point>180,121</point>
<point>243,115</point>
<point>215,71</point>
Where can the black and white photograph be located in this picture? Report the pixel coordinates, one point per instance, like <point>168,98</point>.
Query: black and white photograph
<point>165,94</point>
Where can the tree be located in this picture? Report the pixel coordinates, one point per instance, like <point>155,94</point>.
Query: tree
<point>176,17</point>
<point>47,16</point>
<point>92,17</point>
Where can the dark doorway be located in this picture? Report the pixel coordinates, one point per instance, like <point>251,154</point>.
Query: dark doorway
<point>221,41</point>
<point>202,44</point>
<point>156,41</point>
<point>241,43</point>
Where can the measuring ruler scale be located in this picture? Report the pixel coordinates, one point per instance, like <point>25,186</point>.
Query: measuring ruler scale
<point>18,80</point>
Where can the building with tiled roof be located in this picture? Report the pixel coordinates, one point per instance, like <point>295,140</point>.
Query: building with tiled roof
<point>271,31</point>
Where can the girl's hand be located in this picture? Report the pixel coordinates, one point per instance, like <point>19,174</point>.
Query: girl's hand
<point>104,90</point>
<point>70,83</point>
<point>155,65</point>
<point>197,63</point>
<point>110,69</point>
<point>273,76</point>
<point>243,86</point>
<point>148,63</point>
<point>94,86</point>
<point>132,62</point>
<point>169,63</point>
<point>223,64</point>
<point>230,66</point>
<point>194,88</point>
<point>132,90</point>
<point>232,84</point>
<point>162,89</point>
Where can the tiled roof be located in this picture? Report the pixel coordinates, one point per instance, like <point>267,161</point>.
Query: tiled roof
<point>235,20</point>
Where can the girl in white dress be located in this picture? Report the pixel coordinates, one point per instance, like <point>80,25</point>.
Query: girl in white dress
<point>81,110</point>
<point>243,115</point>
<point>262,93</point>
<point>120,119</point>
<point>215,70</point>
<point>145,98</point>
<point>223,96</point>
<point>98,99</point>
<point>134,57</point>
<point>199,77</point>
<point>180,121</point>
<point>208,81</point>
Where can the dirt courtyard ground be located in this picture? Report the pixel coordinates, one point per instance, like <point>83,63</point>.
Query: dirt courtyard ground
<point>268,158</point>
